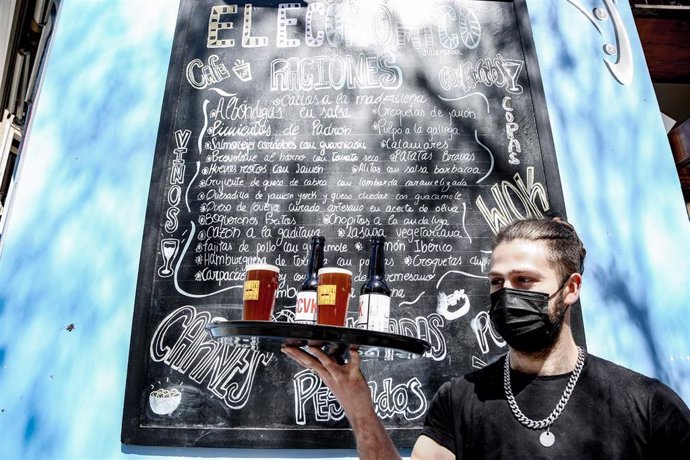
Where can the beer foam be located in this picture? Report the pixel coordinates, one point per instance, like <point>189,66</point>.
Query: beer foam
<point>327,270</point>
<point>269,267</point>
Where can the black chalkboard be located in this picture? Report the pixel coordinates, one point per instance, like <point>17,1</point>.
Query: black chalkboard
<point>421,121</point>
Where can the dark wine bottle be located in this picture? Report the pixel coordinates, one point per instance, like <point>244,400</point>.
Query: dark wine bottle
<point>375,295</point>
<point>305,309</point>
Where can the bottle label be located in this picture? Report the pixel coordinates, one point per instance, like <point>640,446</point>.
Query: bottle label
<point>374,312</point>
<point>327,294</point>
<point>305,309</point>
<point>251,290</point>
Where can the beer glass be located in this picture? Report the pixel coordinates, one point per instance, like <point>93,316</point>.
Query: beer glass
<point>333,295</point>
<point>260,287</point>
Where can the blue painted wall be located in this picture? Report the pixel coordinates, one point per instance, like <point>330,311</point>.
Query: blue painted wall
<point>71,246</point>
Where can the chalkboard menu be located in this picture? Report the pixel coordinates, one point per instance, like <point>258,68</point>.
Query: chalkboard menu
<point>424,122</point>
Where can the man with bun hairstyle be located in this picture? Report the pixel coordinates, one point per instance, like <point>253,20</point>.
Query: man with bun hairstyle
<point>545,398</point>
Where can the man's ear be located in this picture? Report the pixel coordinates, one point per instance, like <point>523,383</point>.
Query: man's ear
<point>572,289</point>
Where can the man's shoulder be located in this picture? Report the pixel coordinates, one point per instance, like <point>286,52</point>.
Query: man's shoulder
<point>647,393</point>
<point>622,379</point>
<point>613,371</point>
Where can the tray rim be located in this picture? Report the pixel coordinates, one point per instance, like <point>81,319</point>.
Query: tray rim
<point>317,334</point>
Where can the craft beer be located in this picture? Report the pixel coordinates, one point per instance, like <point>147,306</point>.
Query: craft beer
<point>375,295</point>
<point>305,308</point>
<point>334,295</point>
<point>260,288</point>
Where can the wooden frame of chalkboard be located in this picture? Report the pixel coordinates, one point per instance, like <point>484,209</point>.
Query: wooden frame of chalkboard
<point>343,119</point>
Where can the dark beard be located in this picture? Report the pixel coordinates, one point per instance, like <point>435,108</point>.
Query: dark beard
<point>557,318</point>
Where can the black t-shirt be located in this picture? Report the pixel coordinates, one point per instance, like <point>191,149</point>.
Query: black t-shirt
<point>613,413</point>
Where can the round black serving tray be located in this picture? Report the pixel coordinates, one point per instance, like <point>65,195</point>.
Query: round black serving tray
<point>336,341</point>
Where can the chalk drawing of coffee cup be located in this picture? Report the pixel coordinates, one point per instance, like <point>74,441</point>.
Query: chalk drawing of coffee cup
<point>164,401</point>
<point>243,70</point>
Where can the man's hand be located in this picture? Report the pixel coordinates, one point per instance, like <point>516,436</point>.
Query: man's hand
<point>345,381</point>
<point>348,385</point>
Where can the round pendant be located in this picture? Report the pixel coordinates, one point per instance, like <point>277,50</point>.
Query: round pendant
<point>547,439</point>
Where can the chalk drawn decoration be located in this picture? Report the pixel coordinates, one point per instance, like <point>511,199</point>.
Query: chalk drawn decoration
<point>458,302</point>
<point>164,401</point>
<point>169,249</point>
<point>243,70</point>
<point>470,29</point>
<point>622,68</point>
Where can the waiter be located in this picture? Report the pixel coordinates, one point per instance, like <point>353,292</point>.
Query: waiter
<point>547,397</point>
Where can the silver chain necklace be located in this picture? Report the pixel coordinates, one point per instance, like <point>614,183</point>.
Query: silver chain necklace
<point>546,438</point>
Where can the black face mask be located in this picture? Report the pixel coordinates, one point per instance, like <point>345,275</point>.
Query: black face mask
<point>522,319</point>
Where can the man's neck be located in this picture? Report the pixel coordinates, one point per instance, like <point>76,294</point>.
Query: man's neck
<point>561,359</point>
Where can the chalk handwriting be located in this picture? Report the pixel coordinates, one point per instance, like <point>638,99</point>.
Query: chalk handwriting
<point>325,24</point>
<point>182,342</point>
<point>490,72</point>
<point>216,26</point>
<point>428,328</point>
<point>335,72</point>
<point>482,327</point>
<point>531,197</point>
<point>405,399</point>
<point>201,75</point>
<point>511,127</point>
